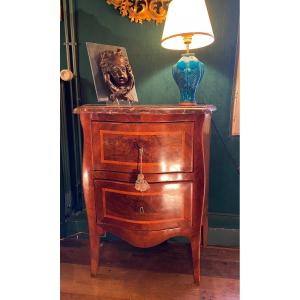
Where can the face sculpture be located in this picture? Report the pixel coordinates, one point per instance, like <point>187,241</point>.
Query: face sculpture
<point>117,75</point>
<point>118,72</point>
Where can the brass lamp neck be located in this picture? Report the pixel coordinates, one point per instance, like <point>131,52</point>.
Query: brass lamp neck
<point>187,39</point>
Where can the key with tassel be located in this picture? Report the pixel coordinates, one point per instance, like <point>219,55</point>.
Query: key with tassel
<point>141,183</point>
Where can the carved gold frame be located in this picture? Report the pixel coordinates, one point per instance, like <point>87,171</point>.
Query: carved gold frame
<point>235,115</point>
<point>140,10</point>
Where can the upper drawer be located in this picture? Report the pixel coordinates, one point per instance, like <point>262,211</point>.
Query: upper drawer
<point>167,147</point>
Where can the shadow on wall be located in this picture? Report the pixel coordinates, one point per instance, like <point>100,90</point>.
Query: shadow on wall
<point>89,88</point>
<point>152,65</point>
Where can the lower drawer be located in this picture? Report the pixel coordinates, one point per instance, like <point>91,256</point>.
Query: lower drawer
<point>164,205</point>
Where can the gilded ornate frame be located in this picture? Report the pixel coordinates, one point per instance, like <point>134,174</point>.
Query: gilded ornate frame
<point>140,10</point>
<point>235,115</point>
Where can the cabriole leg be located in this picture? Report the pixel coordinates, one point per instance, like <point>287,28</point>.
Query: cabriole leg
<point>94,253</point>
<point>195,244</point>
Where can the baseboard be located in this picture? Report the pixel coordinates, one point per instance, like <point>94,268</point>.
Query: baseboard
<point>217,236</point>
<point>221,220</point>
<point>224,237</point>
<point>223,229</point>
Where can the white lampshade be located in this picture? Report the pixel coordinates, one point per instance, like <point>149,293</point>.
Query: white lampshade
<point>187,17</point>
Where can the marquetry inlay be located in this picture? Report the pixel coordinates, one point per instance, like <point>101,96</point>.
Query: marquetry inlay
<point>134,140</point>
<point>157,206</point>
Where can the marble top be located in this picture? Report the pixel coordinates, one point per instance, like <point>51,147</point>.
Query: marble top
<point>139,108</point>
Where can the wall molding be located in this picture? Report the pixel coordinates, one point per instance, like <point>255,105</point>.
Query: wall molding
<point>221,220</point>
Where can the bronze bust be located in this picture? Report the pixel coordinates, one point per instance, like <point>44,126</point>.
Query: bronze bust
<point>117,74</point>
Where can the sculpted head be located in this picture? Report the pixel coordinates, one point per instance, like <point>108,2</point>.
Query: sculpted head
<point>118,70</point>
<point>115,68</point>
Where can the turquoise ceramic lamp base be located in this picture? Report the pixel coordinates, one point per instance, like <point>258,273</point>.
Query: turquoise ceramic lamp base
<point>187,73</point>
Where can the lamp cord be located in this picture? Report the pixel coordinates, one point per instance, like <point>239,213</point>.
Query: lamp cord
<point>73,235</point>
<point>235,164</point>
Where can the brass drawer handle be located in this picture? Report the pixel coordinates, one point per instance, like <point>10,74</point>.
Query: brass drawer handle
<point>141,183</point>
<point>142,210</point>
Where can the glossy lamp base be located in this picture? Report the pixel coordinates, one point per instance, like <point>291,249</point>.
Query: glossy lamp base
<point>187,103</point>
<point>187,73</point>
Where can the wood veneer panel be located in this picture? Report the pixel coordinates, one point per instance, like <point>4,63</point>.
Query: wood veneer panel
<point>167,147</point>
<point>164,205</point>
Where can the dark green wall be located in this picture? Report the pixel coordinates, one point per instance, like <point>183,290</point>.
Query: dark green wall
<point>100,23</point>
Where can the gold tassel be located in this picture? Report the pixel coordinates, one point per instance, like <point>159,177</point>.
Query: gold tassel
<point>141,183</point>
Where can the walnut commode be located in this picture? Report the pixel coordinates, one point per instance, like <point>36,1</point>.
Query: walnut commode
<point>168,148</point>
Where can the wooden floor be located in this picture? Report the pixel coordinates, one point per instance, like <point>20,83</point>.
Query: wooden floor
<point>160,273</point>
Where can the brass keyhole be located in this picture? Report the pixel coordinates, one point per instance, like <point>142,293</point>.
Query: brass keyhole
<point>142,210</point>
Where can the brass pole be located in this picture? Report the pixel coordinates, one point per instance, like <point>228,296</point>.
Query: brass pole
<point>76,134</point>
<point>66,34</point>
<point>75,72</point>
<point>65,155</point>
<point>74,51</point>
<point>187,39</point>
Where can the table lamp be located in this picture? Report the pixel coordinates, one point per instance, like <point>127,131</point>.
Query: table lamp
<point>187,27</point>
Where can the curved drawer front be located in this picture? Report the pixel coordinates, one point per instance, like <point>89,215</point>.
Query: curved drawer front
<point>167,147</point>
<point>164,205</point>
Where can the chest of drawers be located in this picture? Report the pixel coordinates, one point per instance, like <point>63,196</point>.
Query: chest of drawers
<point>174,161</point>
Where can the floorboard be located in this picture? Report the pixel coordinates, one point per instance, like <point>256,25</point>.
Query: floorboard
<point>160,273</point>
